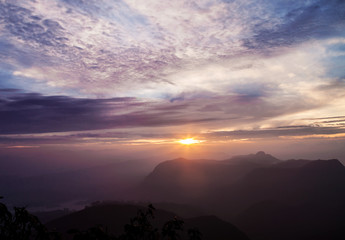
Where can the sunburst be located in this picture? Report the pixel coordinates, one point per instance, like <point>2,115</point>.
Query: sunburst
<point>189,141</point>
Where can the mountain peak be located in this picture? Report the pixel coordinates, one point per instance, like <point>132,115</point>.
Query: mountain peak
<point>260,153</point>
<point>260,158</point>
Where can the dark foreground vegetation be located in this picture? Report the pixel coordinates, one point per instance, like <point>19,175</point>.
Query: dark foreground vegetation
<point>106,221</point>
<point>21,225</point>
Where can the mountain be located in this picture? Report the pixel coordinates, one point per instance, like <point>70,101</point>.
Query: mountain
<point>292,163</point>
<point>305,201</point>
<point>182,180</point>
<point>267,198</point>
<point>114,216</point>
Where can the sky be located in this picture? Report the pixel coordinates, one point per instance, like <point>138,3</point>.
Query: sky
<point>135,77</point>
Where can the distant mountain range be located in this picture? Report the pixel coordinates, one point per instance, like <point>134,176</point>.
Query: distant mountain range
<point>111,181</point>
<point>267,198</point>
<point>264,196</point>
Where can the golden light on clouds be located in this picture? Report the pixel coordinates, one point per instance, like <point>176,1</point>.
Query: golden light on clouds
<point>336,135</point>
<point>19,147</point>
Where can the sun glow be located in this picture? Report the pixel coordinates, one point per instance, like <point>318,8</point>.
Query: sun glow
<point>189,141</point>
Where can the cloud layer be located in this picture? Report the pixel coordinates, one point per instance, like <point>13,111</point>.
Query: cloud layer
<point>217,67</point>
<point>106,48</point>
<point>34,118</point>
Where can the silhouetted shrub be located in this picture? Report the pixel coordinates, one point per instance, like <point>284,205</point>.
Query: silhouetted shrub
<point>21,225</point>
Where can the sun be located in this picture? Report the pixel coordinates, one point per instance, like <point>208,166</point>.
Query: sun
<point>189,141</point>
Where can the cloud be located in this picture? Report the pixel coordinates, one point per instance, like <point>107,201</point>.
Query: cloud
<point>22,23</point>
<point>320,128</point>
<point>317,20</point>
<point>31,112</point>
<point>34,113</point>
<point>66,47</point>
<point>22,147</point>
<point>286,131</point>
<point>25,112</point>
<point>146,49</point>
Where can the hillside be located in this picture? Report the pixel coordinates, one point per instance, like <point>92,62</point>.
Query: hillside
<point>113,217</point>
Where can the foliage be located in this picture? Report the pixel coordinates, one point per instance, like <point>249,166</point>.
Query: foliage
<point>140,228</point>
<point>94,233</point>
<point>170,228</point>
<point>194,234</point>
<point>21,225</point>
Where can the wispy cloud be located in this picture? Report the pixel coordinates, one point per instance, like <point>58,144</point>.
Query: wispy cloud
<point>145,49</point>
<point>21,147</point>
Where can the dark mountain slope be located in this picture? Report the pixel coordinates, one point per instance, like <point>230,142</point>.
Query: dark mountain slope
<point>292,163</point>
<point>320,179</point>
<point>299,203</point>
<point>214,228</point>
<point>314,220</point>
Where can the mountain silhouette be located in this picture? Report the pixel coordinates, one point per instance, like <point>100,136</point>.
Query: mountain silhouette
<point>305,201</point>
<point>113,217</point>
<point>268,198</point>
<point>315,179</point>
<point>183,180</point>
